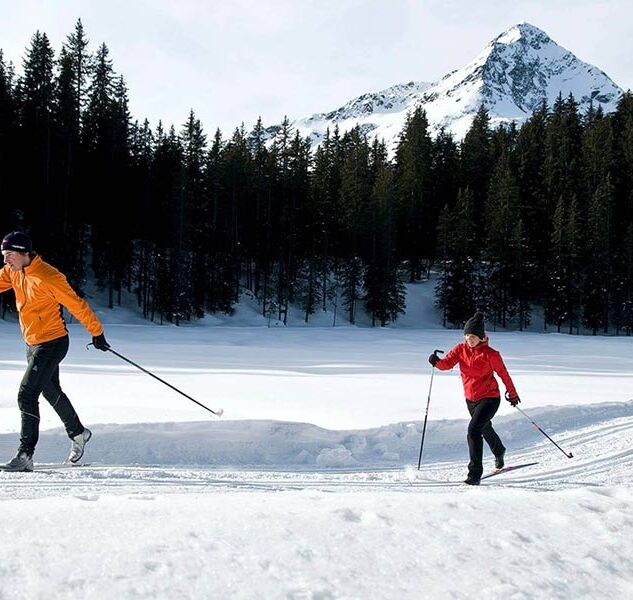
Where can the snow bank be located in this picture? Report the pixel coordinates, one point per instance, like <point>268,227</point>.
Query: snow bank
<point>285,444</point>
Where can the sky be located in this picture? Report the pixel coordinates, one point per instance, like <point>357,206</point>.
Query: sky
<point>232,61</point>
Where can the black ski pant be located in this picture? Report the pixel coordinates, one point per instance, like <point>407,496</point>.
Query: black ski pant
<point>480,429</point>
<point>42,377</point>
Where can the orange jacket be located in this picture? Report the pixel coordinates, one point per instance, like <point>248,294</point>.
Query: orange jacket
<point>39,291</point>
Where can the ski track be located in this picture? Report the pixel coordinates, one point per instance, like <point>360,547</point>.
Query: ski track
<point>603,456</point>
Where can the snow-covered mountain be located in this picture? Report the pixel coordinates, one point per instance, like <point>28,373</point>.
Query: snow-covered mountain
<point>510,77</point>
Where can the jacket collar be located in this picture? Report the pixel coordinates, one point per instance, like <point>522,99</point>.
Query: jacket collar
<point>35,263</point>
<point>479,347</point>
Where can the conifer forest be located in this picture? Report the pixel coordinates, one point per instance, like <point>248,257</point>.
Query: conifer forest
<point>509,220</point>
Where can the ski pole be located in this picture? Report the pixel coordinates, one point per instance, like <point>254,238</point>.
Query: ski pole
<point>567,454</point>
<point>426,414</point>
<point>218,412</point>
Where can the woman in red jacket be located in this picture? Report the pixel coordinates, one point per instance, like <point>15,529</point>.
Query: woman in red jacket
<point>478,363</point>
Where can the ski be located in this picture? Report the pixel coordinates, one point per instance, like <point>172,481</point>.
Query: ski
<point>55,466</point>
<point>508,469</point>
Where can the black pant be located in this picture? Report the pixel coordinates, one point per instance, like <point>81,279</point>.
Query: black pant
<point>480,428</point>
<point>42,377</point>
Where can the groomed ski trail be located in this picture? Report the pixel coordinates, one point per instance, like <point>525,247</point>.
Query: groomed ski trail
<point>603,457</point>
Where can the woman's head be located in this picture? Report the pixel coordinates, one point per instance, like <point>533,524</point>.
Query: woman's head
<point>474,331</point>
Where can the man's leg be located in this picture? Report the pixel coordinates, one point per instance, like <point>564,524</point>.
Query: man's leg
<point>481,414</point>
<point>59,401</point>
<point>42,361</point>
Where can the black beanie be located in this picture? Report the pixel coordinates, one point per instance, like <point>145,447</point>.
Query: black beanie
<point>475,325</point>
<point>17,241</point>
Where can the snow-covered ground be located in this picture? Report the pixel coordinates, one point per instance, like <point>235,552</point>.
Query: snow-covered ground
<point>306,488</point>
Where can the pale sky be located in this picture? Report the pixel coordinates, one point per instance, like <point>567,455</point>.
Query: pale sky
<point>233,60</point>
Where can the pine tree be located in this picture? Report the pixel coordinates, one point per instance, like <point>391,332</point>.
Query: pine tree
<point>623,294</point>
<point>477,158</point>
<point>98,177</point>
<point>196,207</point>
<point>622,174</point>
<point>562,168</point>
<point>145,249</point>
<point>417,208</point>
<point>565,281</point>
<point>384,290</point>
<point>35,102</point>
<point>597,150</point>
<point>456,292</point>
<point>504,244</point>
<point>173,289</point>
<point>260,236</point>
<point>445,174</point>
<point>354,196</point>
<point>598,280</point>
<point>8,135</point>
<point>534,203</point>
<point>237,185</point>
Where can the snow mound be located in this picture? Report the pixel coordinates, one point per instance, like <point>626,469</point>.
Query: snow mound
<point>281,444</point>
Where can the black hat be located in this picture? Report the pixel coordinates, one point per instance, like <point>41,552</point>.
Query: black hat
<point>475,325</point>
<point>17,241</point>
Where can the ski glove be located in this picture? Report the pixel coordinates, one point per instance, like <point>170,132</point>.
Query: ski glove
<point>514,400</point>
<point>100,343</point>
<point>433,358</point>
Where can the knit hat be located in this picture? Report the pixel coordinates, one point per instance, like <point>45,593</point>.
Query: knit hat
<point>17,241</point>
<point>475,325</point>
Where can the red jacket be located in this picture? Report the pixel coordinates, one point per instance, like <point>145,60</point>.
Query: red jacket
<point>477,366</point>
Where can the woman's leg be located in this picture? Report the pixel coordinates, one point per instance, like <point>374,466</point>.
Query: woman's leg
<point>481,413</point>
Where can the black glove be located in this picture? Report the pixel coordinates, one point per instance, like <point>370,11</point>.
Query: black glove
<point>433,358</point>
<point>100,343</point>
<point>514,400</point>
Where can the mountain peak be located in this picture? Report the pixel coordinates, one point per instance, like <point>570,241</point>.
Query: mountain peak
<point>513,75</point>
<point>525,33</point>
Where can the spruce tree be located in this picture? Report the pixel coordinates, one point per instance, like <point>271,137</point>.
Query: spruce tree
<point>384,289</point>
<point>534,203</point>
<point>598,281</point>
<point>457,291</point>
<point>35,96</point>
<point>476,161</point>
<point>504,244</point>
<point>354,195</point>
<point>196,207</point>
<point>417,209</point>
<point>8,135</point>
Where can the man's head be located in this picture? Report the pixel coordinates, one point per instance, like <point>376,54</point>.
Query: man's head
<point>17,249</point>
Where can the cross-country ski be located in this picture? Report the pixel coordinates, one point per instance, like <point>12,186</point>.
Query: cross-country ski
<point>507,470</point>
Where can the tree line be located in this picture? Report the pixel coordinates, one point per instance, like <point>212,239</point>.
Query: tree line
<point>510,218</point>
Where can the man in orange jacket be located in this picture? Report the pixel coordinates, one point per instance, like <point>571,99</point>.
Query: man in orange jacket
<point>40,292</point>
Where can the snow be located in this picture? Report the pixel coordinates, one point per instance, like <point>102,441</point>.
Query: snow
<point>308,488</point>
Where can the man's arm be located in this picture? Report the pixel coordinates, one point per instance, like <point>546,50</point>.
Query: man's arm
<point>5,279</point>
<point>65,295</point>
